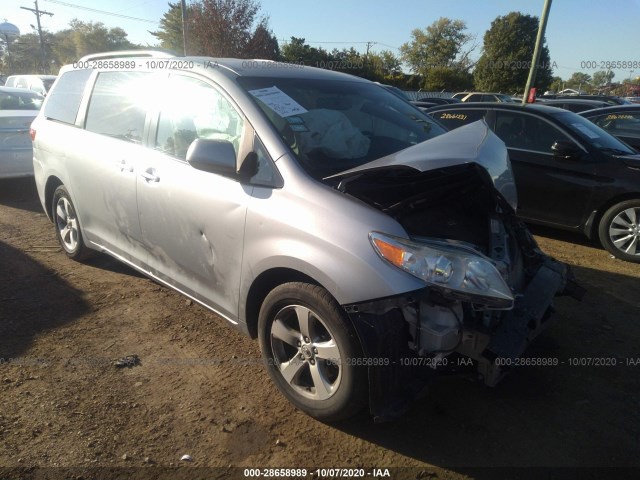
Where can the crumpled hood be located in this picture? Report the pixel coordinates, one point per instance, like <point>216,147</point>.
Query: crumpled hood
<point>473,143</point>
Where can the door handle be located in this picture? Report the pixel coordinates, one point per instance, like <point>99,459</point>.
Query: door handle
<point>150,175</point>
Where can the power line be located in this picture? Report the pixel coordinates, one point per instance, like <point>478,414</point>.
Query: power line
<point>94,10</point>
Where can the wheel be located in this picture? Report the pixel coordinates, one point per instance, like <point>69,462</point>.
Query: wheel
<point>619,230</point>
<point>68,226</point>
<point>311,352</point>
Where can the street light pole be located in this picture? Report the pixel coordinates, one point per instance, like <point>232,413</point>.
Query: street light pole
<point>536,52</point>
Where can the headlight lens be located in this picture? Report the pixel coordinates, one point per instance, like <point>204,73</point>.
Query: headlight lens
<point>456,272</point>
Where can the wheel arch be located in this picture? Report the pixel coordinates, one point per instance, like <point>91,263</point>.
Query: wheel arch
<point>53,182</point>
<point>262,285</point>
<point>592,229</point>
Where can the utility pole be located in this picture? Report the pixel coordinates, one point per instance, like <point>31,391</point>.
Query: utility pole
<point>39,13</point>
<point>536,52</point>
<point>183,6</point>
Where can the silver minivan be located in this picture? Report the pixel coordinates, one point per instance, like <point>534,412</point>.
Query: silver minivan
<point>364,246</point>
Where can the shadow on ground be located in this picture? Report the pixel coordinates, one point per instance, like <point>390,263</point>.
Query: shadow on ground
<point>20,193</point>
<point>33,299</point>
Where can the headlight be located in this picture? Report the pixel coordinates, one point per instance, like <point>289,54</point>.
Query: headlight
<point>456,272</point>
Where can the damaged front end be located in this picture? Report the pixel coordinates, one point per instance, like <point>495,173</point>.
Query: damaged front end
<point>488,288</point>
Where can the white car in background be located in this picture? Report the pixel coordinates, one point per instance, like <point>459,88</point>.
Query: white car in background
<point>18,108</point>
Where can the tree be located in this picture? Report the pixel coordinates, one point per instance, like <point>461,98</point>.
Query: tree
<point>297,51</point>
<point>228,28</point>
<point>602,78</point>
<point>440,54</point>
<point>170,31</point>
<point>507,54</point>
<point>556,84</point>
<point>84,38</point>
<point>263,43</point>
<point>578,81</point>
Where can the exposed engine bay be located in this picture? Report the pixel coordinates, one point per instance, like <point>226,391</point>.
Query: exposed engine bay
<point>437,329</point>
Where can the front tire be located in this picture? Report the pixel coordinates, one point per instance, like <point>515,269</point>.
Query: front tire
<point>311,351</point>
<point>619,230</point>
<point>68,226</point>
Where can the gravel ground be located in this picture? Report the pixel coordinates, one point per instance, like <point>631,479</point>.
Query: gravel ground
<point>193,386</point>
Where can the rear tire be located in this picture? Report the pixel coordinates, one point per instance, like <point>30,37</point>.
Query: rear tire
<point>619,230</point>
<point>311,351</point>
<point>67,225</point>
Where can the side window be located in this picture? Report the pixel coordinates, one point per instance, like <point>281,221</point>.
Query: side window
<point>476,97</point>
<point>116,107</point>
<point>526,132</point>
<point>63,102</point>
<point>22,83</point>
<point>195,110</point>
<point>457,118</point>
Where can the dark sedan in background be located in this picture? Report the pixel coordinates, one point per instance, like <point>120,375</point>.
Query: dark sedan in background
<point>569,172</point>
<point>623,121</point>
<point>574,105</point>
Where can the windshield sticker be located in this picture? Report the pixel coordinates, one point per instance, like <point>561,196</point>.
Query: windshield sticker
<point>618,116</point>
<point>298,128</point>
<point>453,116</point>
<point>296,120</point>
<point>584,130</point>
<point>278,101</point>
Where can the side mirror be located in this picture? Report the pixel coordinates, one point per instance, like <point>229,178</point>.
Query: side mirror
<point>565,149</point>
<point>215,156</point>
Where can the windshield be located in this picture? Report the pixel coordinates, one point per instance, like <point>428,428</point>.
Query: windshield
<point>332,126</point>
<point>20,100</point>
<point>593,134</point>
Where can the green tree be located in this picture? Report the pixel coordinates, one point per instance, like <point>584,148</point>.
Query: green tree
<point>578,81</point>
<point>263,43</point>
<point>170,31</point>
<point>507,55</point>
<point>26,55</point>
<point>298,51</point>
<point>440,54</point>
<point>602,78</point>
<point>84,38</point>
<point>229,28</point>
<point>556,84</point>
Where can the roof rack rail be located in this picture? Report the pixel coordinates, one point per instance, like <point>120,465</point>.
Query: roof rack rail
<point>127,53</point>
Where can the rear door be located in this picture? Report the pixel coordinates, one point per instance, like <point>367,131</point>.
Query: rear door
<point>102,162</point>
<point>550,189</point>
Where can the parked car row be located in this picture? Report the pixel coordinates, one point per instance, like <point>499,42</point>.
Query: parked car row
<point>367,248</point>
<point>569,172</point>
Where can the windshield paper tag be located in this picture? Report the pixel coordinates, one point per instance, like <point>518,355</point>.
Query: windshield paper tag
<point>278,101</point>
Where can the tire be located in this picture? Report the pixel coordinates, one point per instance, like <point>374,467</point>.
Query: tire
<point>309,348</point>
<point>619,230</point>
<point>67,225</point>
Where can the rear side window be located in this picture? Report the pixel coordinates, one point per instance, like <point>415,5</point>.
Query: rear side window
<point>64,101</point>
<point>457,118</point>
<point>117,106</point>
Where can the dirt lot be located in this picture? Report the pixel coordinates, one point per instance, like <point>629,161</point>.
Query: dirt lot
<point>200,389</point>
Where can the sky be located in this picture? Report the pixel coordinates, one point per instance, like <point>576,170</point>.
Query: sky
<point>581,34</point>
